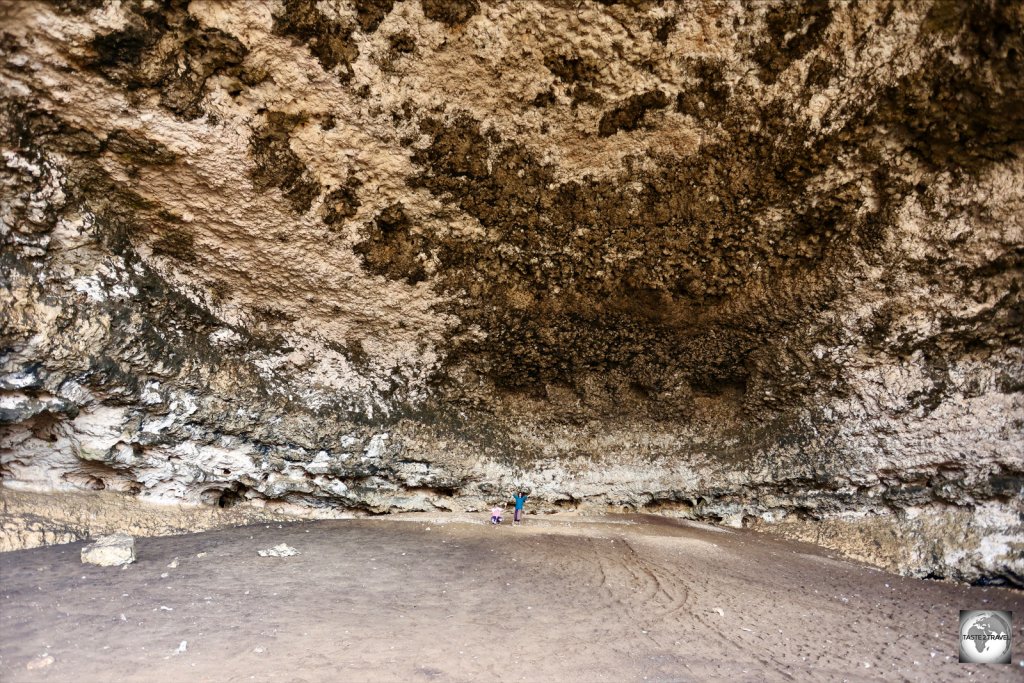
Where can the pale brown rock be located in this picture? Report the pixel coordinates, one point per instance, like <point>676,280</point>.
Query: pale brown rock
<point>114,550</point>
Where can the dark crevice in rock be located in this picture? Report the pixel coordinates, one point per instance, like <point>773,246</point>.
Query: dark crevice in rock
<point>164,48</point>
<point>632,4</point>
<point>963,107</point>
<point>793,30</point>
<point>342,203</point>
<point>544,99</point>
<point>662,27</point>
<point>584,94</point>
<point>402,43</point>
<point>276,165</point>
<point>135,148</point>
<point>579,75</point>
<point>369,13</point>
<point>76,6</point>
<point>710,96</point>
<point>572,69</point>
<point>329,40</point>
<point>391,247</point>
<point>630,114</point>
<point>450,12</point>
<point>205,54</point>
<point>229,496</point>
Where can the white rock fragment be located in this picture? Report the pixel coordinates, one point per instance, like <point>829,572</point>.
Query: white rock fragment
<point>182,648</point>
<point>173,564</point>
<point>735,520</point>
<point>110,551</point>
<point>40,662</point>
<point>720,611</point>
<point>281,550</point>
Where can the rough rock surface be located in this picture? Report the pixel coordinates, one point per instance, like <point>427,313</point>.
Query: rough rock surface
<point>751,262</point>
<point>29,519</point>
<point>110,551</point>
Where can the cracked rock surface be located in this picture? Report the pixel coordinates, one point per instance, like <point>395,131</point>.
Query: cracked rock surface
<point>757,263</point>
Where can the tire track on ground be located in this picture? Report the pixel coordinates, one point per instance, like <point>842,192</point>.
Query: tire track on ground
<point>683,609</point>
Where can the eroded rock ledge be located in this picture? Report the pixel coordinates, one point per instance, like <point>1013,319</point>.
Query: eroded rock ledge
<point>757,264</point>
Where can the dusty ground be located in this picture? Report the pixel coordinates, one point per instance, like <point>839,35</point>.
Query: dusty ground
<point>444,599</point>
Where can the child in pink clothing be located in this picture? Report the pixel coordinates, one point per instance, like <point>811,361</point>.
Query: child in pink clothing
<point>496,515</point>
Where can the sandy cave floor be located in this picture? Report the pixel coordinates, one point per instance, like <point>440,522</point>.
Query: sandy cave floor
<point>429,598</point>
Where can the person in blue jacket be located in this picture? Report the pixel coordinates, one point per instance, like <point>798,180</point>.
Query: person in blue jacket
<point>520,499</point>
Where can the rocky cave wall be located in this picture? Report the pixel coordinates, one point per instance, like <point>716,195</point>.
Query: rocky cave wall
<point>751,262</point>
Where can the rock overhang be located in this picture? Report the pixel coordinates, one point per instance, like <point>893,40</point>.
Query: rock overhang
<point>743,261</point>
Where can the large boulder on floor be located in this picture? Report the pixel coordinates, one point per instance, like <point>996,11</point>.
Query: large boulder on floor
<point>110,551</point>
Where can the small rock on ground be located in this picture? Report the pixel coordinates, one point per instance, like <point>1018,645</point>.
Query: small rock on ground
<point>110,551</point>
<point>281,550</point>
<point>40,662</point>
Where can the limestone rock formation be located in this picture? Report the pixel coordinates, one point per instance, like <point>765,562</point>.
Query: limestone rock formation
<point>756,262</point>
